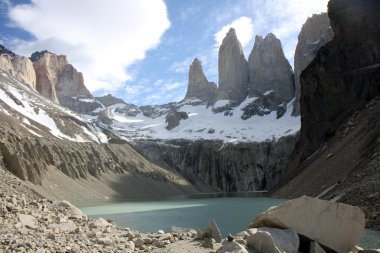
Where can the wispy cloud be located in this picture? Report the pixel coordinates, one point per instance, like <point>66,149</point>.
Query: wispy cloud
<point>101,38</point>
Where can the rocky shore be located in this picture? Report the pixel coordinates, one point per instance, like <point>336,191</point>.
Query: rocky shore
<point>30,223</point>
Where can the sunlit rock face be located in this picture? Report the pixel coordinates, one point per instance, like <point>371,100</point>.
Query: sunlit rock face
<point>18,66</point>
<point>233,69</point>
<point>199,87</point>
<point>269,70</point>
<point>61,82</point>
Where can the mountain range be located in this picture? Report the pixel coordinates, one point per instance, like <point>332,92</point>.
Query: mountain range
<point>262,127</point>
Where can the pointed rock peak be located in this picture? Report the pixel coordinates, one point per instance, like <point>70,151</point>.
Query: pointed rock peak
<point>196,73</point>
<point>38,54</point>
<point>231,32</point>
<point>270,36</point>
<point>4,50</point>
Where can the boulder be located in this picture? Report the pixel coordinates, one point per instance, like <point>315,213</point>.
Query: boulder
<point>68,226</point>
<point>27,221</point>
<point>335,225</point>
<point>70,210</point>
<point>274,240</point>
<point>99,223</point>
<point>213,230</point>
<point>232,247</point>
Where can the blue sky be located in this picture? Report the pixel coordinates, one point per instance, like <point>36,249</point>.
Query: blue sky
<point>141,50</point>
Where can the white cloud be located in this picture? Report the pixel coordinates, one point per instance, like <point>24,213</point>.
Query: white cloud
<point>243,27</point>
<point>101,38</point>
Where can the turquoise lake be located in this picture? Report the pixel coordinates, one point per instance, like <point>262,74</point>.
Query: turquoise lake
<point>232,213</point>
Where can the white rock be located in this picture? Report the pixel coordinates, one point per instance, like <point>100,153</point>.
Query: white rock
<point>70,210</point>
<point>99,223</point>
<point>129,245</point>
<point>138,242</point>
<point>68,226</point>
<point>213,229</point>
<point>231,247</point>
<point>335,225</point>
<point>273,240</point>
<point>27,220</point>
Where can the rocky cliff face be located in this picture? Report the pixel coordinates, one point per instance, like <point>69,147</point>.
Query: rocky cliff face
<point>269,70</point>
<point>314,34</point>
<point>339,137</point>
<point>18,66</point>
<point>61,82</point>
<point>227,167</point>
<point>199,87</point>
<point>108,100</point>
<point>345,74</point>
<point>233,69</point>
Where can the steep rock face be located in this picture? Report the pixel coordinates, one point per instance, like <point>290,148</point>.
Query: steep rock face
<point>233,69</point>
<point>108,100</point>
<point>345,74</point>
<point>199,87</point>
<point>227,167</point>
<point>337,155</point>
<point>18,66</point>
<point>269,70</point>
<point>314,34</point>
<point>61,82</point>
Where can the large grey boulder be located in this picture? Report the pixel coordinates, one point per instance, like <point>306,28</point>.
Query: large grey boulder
<point>273,240</point>
<point>199,87</point>
<point>213,229</point>
<point>314,34</point>
<point>231,247</point>
<point>269,70</point>
<point>233,69</point>
<point>335,225</point>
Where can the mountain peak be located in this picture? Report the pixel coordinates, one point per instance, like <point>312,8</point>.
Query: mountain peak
<point>199,87</point>
<point>4,50</point>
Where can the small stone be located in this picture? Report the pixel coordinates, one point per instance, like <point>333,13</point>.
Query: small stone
<point>138,242</point>
<point>208,243</point>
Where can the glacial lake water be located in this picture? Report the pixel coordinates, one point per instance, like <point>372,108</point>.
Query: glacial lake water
<point>232,213</point>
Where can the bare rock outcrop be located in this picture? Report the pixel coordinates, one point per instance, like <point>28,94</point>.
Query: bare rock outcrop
<point>199,87</point>
<point>315,33</point>
<point>108,100</point>
<point>269,70</point>
<point>345,74</point>
<point>228,167</point>
<point>61,82</point>
<point>233,69</point>
<point>18,66</point>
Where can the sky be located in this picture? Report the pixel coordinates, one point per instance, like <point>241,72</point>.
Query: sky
<point>141,51</point>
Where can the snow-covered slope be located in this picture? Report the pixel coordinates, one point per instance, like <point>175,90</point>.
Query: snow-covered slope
<point>41,117</point>
<point>221,121</point>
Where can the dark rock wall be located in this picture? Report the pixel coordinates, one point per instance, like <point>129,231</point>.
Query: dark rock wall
<point>345,74</point>
<point>227,167</point>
